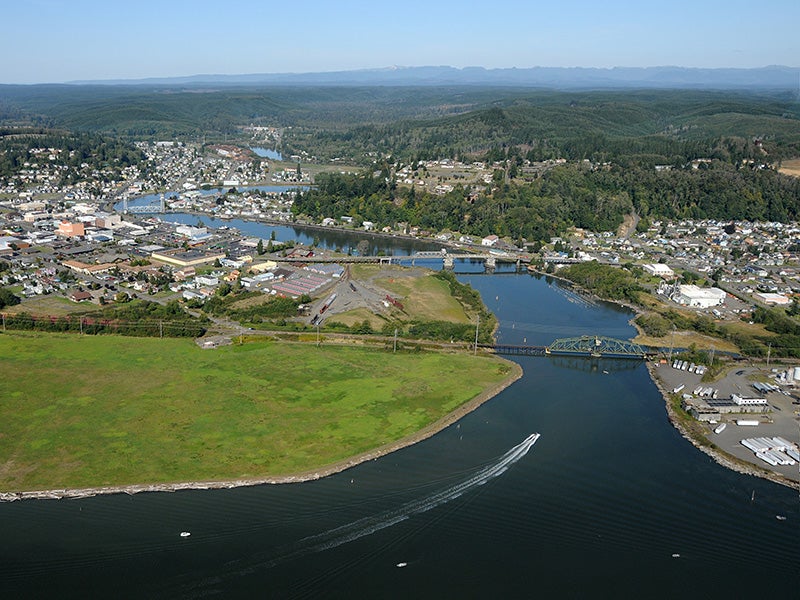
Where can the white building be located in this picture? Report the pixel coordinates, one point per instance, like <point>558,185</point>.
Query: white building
<point>695,297</point>
<point>193,233</point>
<point>741,401</point>
<point>489,240</point>
<point>769,298</point>
<point>659,270</point>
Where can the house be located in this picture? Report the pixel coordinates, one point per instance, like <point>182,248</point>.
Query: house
<point>184,273</point>
<point>206,280</point>
<point>489,240</point>
<point>79,296</point>
<point>368,225</point>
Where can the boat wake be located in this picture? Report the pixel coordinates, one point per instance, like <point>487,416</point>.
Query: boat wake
<point>369,525</point>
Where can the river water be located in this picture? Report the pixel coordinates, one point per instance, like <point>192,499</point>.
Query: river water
<point>610,502</point>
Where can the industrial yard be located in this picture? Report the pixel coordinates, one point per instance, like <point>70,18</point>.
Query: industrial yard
<point>753,401</point>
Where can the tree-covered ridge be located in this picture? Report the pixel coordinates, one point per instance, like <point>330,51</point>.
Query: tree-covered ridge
<point>568,195</point>
<point>428,122</point>
<point>194,112</point>
<point>659,127</point>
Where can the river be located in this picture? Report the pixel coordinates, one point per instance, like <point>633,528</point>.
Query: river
<point>610,502</point>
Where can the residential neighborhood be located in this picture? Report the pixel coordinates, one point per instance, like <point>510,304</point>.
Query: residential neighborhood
<point>90,240</point>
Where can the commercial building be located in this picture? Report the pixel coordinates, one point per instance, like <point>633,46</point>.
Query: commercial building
<point>187,258</point>
<point>770,298</point>
<point>696,297</point>
<point>659,270</point>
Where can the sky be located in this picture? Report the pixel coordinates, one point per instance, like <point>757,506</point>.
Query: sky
<point>53,41</point>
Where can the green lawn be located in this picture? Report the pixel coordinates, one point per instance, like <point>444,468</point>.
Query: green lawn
<point>87,411</point>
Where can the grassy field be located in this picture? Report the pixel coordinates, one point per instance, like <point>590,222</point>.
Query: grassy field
<point>425,298</point>
<point>684,339</point>
<point>82,411</point>
<point>359,315</point>
<point>50,305</point>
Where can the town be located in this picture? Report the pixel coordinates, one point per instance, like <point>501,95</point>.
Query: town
<point>100,239</point>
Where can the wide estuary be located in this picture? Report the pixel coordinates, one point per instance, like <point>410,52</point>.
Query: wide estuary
<point>610,501</point>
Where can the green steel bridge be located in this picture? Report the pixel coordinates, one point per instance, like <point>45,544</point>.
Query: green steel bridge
<point>587,346</point>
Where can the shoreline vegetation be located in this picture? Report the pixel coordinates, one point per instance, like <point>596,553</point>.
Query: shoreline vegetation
<point>291,429</point>
<point>699,441</point>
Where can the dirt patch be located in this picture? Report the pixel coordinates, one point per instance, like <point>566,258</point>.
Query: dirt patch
<point>790,167</point>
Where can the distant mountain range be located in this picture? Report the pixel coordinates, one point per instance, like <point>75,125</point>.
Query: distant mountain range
<point>772,77</point>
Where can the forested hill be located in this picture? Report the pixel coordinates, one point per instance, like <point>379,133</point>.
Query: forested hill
<point>190,112</point>
<point>659,126</point>
<point>569,195</point>
<point>350,121</point>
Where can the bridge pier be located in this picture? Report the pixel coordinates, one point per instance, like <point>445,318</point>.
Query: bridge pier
<point>447,262</point>
<point>490,263</point>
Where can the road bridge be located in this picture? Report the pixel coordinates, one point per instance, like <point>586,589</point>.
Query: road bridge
<point>448,258</point>
<point>145,209</point>
<point>587,346</point>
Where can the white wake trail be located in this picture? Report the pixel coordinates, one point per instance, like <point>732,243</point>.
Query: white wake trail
<point>369,525</point>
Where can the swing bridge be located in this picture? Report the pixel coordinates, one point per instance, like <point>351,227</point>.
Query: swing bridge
<point>587,346</point>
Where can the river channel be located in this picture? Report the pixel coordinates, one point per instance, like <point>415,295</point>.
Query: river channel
<point>609,502</point>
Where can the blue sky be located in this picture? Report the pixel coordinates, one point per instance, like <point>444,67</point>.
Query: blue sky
<point>64,40</point>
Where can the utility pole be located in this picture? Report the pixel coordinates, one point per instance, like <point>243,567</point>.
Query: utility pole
<point>713,349</point>
<point>161,329</point>
<point>395,340</point>
<point>671,343</point>
<point>81,324</point>
<point>769,351</point>
<point>477,325</point>
<point>4,321</point>
<point>317,335</point>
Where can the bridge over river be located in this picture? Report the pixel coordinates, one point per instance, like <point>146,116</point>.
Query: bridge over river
<point>587,346</point>
<point>447,258</point>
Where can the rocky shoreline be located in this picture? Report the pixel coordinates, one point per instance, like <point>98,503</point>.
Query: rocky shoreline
<point>719,456</point>
<point>423,434</point>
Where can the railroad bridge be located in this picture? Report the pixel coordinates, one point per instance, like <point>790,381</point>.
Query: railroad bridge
<point>587,346</point>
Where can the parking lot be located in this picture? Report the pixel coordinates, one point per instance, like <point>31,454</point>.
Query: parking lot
<point>782,419</point>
